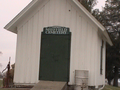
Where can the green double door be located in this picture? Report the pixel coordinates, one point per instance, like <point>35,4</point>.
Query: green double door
<point>55,57</point>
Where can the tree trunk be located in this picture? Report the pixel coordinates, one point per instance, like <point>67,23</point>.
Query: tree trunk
<point>116,75</point>
<point>109,81</point>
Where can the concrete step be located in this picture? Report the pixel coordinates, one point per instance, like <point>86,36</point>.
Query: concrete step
<point>50,85</point>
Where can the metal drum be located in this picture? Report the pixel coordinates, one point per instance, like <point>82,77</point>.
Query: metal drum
<point>81,79</point>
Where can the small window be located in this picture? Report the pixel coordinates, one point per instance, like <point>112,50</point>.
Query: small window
<point>101,58</point>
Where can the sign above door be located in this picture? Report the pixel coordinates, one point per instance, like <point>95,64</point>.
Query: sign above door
<point>56,30</point>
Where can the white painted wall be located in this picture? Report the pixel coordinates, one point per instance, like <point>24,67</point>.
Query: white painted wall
<point>85,42</point>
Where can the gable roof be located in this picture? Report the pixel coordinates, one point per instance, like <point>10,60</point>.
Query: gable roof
<point>12,25</point>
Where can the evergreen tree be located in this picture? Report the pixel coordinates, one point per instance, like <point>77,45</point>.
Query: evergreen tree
<point>110,18</point>
<point>88,4</point>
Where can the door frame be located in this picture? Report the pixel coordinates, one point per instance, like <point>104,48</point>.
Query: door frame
<point>69,34</point>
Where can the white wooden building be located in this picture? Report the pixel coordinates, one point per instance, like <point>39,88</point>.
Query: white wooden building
<point>86,41</point>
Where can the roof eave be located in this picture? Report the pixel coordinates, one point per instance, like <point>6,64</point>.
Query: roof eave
<point>107,38</point>
<point>89,14</point>
<point>11,26</point>
<point>99,25</point>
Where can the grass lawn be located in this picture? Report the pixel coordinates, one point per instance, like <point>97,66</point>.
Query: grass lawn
<point>1,83</point>
<point>106,87</point>
<point>111,88</point>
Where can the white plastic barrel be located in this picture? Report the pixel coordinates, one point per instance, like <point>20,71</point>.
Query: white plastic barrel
<point>81,79</point>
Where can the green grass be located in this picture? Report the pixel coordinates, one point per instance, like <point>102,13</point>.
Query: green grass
<point>111,88</point>
<point>1,83</point>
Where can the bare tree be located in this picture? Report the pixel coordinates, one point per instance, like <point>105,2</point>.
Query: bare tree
<point>0,65</point>
<point>1,54</point>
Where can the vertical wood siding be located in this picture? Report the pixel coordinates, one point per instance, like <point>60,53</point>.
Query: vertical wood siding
<point>85,42</point>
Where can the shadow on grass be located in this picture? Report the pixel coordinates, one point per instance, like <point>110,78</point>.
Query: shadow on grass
<point>1,83</point>
<point>111,88</point>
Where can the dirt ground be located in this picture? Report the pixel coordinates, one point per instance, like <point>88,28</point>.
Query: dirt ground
<point>15,88</point>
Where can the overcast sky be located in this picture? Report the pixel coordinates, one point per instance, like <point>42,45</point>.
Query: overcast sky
<point>8,10</point>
